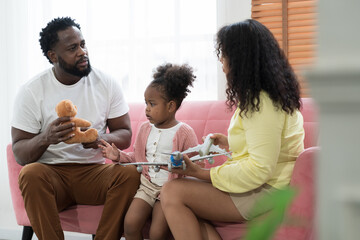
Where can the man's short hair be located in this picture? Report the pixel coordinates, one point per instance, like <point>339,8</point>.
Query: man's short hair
<point>49,36</point>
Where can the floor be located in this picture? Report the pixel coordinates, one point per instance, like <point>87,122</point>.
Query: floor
<point>16,235</point>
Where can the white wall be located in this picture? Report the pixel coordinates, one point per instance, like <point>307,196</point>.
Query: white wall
<point>13,60</point>
<point>230,11</point>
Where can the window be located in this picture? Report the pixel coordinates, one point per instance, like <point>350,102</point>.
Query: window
<point>129,39</point>
<point>293,23</point>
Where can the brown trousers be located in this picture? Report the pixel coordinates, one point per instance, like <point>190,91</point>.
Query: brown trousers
<point>48,189</point>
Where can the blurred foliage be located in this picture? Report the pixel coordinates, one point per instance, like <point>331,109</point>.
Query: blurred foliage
<point>264,227</point>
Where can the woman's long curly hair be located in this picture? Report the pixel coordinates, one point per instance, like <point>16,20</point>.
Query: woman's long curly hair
<point>256,63</point>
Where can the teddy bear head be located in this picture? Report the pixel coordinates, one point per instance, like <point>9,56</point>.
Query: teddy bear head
<point>66,108</point>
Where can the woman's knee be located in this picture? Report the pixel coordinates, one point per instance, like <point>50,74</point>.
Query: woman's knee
<point>167,190</point>
<point>171,191</point>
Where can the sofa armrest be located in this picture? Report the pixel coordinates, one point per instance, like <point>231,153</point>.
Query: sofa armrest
<point>17,200</point>
<point>301,211</point>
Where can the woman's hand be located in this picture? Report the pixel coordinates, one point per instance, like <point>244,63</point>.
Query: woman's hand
<point>109,151</point>
<point>221,140</point>
<point>192,169</point>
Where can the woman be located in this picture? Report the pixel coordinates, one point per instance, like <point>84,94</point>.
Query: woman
<point>265,137</point>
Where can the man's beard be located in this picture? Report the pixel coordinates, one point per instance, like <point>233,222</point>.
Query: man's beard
<point>73,69</point>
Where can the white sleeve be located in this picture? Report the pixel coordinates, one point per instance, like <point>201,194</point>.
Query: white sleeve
<point>118,104</point>
<point>26,114</point>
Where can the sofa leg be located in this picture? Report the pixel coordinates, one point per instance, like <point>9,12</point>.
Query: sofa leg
<point>27,233</point>
<point>93,236</point>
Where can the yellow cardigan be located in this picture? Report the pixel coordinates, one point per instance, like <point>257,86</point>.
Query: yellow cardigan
<point>264,148</point>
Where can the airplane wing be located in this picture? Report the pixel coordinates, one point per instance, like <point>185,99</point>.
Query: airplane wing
<point>145,163</point>
<point>193,149</point>
<point>198,157</point>
<point>217,149</point>
<point>139,165</point>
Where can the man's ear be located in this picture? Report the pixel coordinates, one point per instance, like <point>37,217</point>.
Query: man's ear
<point>172,106</point>
<point>52,56</point>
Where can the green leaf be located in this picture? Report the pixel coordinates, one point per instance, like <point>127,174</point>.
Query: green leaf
<point>264,227</point>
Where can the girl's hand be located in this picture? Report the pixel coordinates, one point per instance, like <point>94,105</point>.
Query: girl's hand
<point>109,151</point>
<point>221,140</point>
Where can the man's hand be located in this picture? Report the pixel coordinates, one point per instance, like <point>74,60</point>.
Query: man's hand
<point>93,145</point>
<point>57,131</point>
<point>29,147</point>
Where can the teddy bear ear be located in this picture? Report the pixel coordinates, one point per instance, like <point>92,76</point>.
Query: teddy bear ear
<point>67,106</point>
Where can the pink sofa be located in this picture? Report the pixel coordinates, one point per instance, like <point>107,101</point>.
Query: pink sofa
<point>205,117</point>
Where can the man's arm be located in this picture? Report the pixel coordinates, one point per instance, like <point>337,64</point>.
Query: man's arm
<point>119,133</point>
<point>29,147</point>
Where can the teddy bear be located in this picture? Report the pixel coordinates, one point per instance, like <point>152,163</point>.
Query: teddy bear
<point>67,108</point>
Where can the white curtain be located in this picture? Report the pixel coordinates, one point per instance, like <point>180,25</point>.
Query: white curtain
<point>126,38</point>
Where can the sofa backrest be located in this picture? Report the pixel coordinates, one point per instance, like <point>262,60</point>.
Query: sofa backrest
<point>203,116</point>
<point>310,112</point>
<point>214,117</point>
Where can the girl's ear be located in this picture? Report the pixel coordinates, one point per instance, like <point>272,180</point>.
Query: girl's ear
<point>172,106</point>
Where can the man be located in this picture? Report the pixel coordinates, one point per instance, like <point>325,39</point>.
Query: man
<point>55,174</point>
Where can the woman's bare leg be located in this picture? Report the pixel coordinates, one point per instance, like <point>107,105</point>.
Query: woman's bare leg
<point>185,200</point>
<point>135,219</point>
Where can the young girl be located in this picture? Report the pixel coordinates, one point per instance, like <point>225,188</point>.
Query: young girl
<point>163,133</point>
<point>265,137</point>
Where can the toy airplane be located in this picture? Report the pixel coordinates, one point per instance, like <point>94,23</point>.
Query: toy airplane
<point>176,159</point>
<point>207,147</point>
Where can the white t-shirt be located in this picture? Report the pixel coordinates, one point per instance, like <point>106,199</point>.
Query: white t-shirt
<point>160,141</point>
<point>98,97</point>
